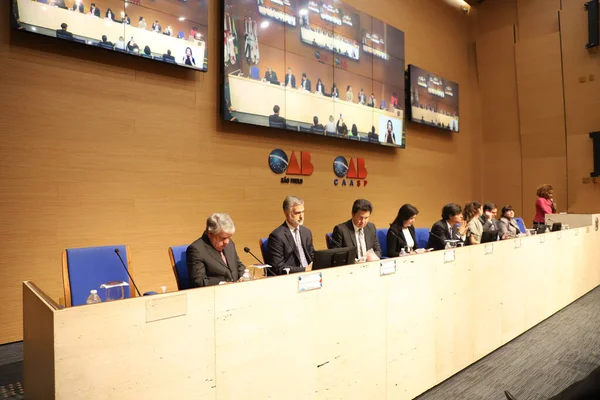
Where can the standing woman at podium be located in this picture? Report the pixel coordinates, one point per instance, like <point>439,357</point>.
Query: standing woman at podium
<point>544,204</point>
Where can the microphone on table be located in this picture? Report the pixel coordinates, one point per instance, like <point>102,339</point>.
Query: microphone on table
<point>247,250</point>
<point>118,253</point>
<point>399,238</point>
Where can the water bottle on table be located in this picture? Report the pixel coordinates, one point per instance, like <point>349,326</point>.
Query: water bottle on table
<point>93,298</point>
<point>246,277</point>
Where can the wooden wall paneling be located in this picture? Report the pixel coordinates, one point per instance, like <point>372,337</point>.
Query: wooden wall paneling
<point>501,170</point>
<point>496,15</point>
<point>537,18</point>
<point>581,101</point>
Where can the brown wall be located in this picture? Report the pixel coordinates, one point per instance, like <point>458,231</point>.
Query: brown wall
<point>100,149</point>
<point>539,98</point>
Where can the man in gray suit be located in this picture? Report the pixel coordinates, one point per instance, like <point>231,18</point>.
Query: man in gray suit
<point>212,258</point>
<point>358,232</point>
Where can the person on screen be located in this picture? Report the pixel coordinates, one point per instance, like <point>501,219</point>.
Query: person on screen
<point>120,45</point>
<point>271,76</point>
<point>317,127</point>
<point>142,23</point>
<point>450,227</point>
<point>401,234</point>
<point>63,33</point>
<point>330,126</point>
<point>95,11</point>
<point>390,136</point>
<point>488,219</point>
<point>194,34</point>
<point>78,6</point>
<point>147,51</point>
<point>168,31</point>
<point>132,46</point>
<point>362,98</point>
<point>168,57</point>
<point>188,58</point>
<point>544,204</point>
<point>373,134</point>
<point>109,14</point>
<point>61,4</point>
<point>290,79</point>
<point>471,214</point>
<point>156,27</point>
<point>354,130</point>
<point>358,232</point>
<point>394,100</point>
<point>275,117</point>
<point>290,246</point>
<point>335,92</point>
<point>126,19</point>
<point>212,258</point>
<point>105,42</point>
<point>372,101</point>
<point>320,89</point>
<point>508,226</point>
<point>305,84</point>
<point>349,94</point>
<point>136,51</point>
<point>341,127</point>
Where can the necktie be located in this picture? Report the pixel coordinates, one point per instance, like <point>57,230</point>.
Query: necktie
<point>362,246</point>
<point>303,262</point>
<point>223,257</point>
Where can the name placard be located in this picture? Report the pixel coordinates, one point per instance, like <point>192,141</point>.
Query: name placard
<point>587,229</point>
<point>489,248</point>
<point>576,232</point>
<point>517,243</point>
<point>308,282</point>
<point>559,236</point>
<point>449,256</point>
<point>387,267</point>
<point>542,238</point>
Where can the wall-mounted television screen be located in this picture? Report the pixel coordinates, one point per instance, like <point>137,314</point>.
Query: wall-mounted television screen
<point>318,67</point>
<point>171,31</point>
<point>432,100</point>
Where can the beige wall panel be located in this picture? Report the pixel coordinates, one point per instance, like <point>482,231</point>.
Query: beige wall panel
<point>537,18</point>
<point>101,149</point>
<point>493,15</point>
<point>582,101</point>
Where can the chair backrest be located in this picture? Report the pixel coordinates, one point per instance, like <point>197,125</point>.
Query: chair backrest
<point>273,124</point>
<point>383,104</point>
<point>255,72</point>
<point>178,256</point>
<point>351,137</point>
<point>87,268</point>
<point>521,224</point>
<point>180,35</point>
<point>264,246</point>
<point>329,240</point>
<point>422,236</point>
<point>382,238</point>
<point>305,129</point>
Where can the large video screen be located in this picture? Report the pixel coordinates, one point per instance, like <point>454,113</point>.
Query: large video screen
<point>318,67</point>
<point>433,100</point>
<point>171,31</point>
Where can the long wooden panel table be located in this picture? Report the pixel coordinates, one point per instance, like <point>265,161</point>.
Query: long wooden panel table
<point>361,336</point>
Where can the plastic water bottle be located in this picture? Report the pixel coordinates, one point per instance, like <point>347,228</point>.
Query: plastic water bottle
<point>246,277</point>
<point>93,298</point>
<point>402,253</point>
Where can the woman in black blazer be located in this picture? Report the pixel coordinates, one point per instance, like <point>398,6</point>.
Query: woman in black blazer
<point>402,226</point>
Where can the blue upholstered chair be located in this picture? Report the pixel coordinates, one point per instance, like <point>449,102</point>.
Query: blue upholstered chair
<point>521,224</point>
<point>264,246</point>
<point>422,236</point>
<point>178,257</point>
<point>328,240</point>
<point>255,73</point>
<point>273,124</point>
<point>383,104</point>
<point>382,238</point>
<point>87,268</point>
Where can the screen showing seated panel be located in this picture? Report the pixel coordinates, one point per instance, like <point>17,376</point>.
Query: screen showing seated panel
<point>433,100</point>
<point>310,66</point>
<point>170,31</point>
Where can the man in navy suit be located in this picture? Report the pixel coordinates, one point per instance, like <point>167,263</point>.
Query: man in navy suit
<point>450,227</point>
<point>290,79</point>
<point>95,11</point>
<point>305,85</point>
<point>358,232</point>
<point>212,259</point>
<point>290,245</point>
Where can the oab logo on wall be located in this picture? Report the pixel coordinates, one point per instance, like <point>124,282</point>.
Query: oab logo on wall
<point>280,164</point>
<point>351,173</point>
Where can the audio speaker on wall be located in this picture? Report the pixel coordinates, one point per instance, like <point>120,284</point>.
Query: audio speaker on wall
<point>596,138</point>
<point>593,29</point>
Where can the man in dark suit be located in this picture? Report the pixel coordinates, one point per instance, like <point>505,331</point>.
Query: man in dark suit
<point>290,79</point>
<point>95,11</point>
<point>275,117</point>
<point>450,227</point>
<point>63,33</point>
<point>290,244</point>
<point>212,258</point>
<point>271,76</point>
<point>305,85</point>
<point>488,218</point>
<point>317,127</point>
<point>78,6</point>
<point>358,231</point>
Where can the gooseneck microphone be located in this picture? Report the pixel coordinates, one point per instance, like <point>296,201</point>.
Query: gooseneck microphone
<point>247,250</point>
<point>118,253</point>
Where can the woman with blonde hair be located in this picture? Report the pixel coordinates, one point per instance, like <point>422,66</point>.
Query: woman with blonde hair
<point>544,204</point>
<point>471,214</point>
